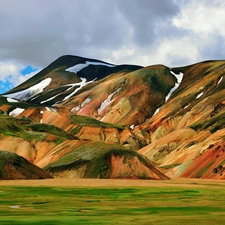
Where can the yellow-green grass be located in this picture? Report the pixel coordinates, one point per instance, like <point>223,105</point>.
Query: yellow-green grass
<point>112,205</point>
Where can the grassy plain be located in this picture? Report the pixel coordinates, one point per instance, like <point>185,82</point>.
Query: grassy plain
<point>92,201</point>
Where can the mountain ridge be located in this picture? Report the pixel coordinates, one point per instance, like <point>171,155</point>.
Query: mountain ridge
<point>173,117</point>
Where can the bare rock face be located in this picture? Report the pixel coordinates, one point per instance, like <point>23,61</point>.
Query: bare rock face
<point>14,167</point>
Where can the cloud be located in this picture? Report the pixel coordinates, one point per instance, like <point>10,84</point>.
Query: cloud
<point>200,17</point>
<point>21,78</point>
<point>11,75</point>
<point>143,32</point>
<point>9,69</point>
<point>193,34</point>
<point>146,18</point>
<point>40,31</point>
<point>203,22</point>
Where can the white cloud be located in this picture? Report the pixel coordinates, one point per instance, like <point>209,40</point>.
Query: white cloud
<point>9,69</point>
<point>201,17</point>
<point>141,32</point>
<point>178,51</point>
<point>197,30</point>
<point>10,74</point>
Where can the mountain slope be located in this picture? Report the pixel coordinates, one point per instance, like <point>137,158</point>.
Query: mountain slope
<point>191,122</point>
<point>14,167</point>
<point>172,116</point>
<point>125,99</point>
<point>100,160</point>
<point>64,75</point>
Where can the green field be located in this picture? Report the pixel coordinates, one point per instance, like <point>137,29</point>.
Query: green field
<point>129,205</point>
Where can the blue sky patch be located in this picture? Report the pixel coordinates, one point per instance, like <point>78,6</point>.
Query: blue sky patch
<point>5,86</point>
<point>27,70</point>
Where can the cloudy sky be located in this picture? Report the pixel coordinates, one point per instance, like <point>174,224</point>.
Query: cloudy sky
<point>172,32</point>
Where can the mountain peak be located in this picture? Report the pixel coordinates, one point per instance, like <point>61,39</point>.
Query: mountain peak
<point>173,117</point>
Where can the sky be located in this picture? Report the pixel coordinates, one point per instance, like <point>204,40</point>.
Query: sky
<point>142,32</point>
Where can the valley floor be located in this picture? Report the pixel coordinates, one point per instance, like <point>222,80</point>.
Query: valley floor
<point>109,202</point>
<point>175,182</point>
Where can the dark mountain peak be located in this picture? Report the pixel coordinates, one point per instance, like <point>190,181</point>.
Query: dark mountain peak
<point>64,75</point>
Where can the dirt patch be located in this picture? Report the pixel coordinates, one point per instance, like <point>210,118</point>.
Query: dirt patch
<point>181,182</point>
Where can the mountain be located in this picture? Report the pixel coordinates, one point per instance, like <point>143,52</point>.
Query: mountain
<point>63,78</point>
<point>101,160</point>
<point>78,111</point>
<point>14,167</point>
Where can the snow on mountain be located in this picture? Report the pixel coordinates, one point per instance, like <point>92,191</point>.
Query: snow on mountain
<point>199,95</point>
<point>49,99</point>
<point>221,78</point>
<point>100,64</point>
<point>107,101</point>
<point>77,67</point>
<point>16,112</point>
<point>156,111</point>
<point>31,91</point>
<point>177,84</point>
<point>80,107</point>
<point>85,102</point>
<point>81,84</point>
<point>183,132</point>
<point>80,66</point>
<point>11,100</point>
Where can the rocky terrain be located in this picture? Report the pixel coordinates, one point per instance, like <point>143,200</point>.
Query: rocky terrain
<point>83,118</point>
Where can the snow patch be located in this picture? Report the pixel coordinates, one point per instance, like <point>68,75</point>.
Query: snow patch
<point>107,101</point>
<point>80,66</point>
<point>11,100</point>
<point>221,78</point>
<point>75,109</point>
<point>77,67</point>
<point>102,118</point>
<point>80,107</point>
<point>31,91</point>
<point>100,64</point>
<point>50,99</point>
<point>16,112</point>
<point>199,95</point>
<point>81,84</point>
<point>178,76</point>
<point>177,84</point>
<point>132,127</point>
<point>156,111</point>
<point>85,102</point>
<point>54,110</point>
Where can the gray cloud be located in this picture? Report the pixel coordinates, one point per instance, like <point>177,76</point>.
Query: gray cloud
<point>38,31</point>
<point>216,47</point>
<point>147,17</point>
<point>121,31</point>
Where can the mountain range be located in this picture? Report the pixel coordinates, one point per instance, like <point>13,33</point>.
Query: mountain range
<point>81,117</point>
